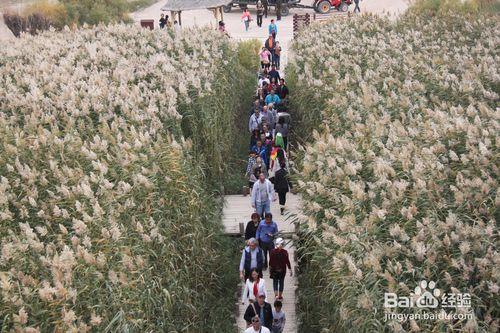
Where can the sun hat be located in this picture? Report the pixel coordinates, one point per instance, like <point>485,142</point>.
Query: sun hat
<point>279,241</point>
<point>279,142</point>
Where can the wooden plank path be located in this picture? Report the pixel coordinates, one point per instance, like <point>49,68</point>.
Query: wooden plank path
<point>237,208</point>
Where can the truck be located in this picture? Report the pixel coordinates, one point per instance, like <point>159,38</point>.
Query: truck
<point>320,6</point>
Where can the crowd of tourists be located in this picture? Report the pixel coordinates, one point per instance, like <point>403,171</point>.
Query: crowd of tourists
<point>268,180</point>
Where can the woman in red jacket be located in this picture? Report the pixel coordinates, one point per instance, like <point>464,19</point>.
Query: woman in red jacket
<point>278,262</point>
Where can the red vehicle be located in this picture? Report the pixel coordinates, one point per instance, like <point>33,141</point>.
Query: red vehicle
<point>324,6</point>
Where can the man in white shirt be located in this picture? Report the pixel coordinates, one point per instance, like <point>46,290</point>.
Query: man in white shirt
<point>255,121</point>
<point>262,80</point>
<point>257,327</point>
<point>262,195</point>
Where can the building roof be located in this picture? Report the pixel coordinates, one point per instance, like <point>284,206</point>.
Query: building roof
<point>178,5</point>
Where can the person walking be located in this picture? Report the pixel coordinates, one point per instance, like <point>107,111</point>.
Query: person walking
<point>252,226</point>
<point>256,327</point>
<point>281,184</point>
<point>279,6</point>
<point>260,13</point>
<point>251,258</point>
<point>254,286</point>
<point>278,263</point>
<point>356,2</point>
<point>272,98</point>
<point>254,138</point>
<point>265,4</point>
<point>273,85</point>
<point>222,28</point>
<point>270,44</point>
<point>264,57</point>
<point>273,29</point>
<point>163,21</point>
<point>261,150</point>
<point>273,73</point>
<point>267,131</point>
<point>282,89</point>
<point>258,168</point>
<point>277,157</point>
<point>255,121</point>
<point>282,128</point>
<point>277,55</point>
<point>262,195</point>
<point>246,18</point>
<point>261,96</point>
<point>267,230</point>
<point>279,318</point>
<point>264,78</point>
<point>177,26</point>
<point>252,159</point>
<point>267,118</point>
<point>261,311</point>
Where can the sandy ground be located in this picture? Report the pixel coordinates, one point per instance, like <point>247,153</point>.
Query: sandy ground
<point>235,26</point>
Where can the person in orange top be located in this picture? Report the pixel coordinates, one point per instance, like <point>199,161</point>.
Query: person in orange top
<point>270,44</point>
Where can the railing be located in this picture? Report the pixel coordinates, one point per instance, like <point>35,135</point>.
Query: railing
<point>150,24</point>
<point>303,20</point>
<point>300,21</point>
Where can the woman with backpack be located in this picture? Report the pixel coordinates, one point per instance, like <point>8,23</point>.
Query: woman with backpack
<point>278,263</point>
<point>283,128</point>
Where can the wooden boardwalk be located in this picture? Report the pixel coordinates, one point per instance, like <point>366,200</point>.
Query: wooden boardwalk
<point>237,208</point>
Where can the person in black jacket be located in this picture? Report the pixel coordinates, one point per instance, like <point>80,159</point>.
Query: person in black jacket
<point>279,5</point>
<point>252,226</point>
<point>281,184</point>
<point>265,3</point>
<point>254,309</point>
<point>282,89</point>
<point>163,21</point>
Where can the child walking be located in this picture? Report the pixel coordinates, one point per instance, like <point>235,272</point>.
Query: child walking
<point>279,318</point>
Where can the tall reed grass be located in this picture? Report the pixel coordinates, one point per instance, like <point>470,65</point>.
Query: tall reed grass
<point>110,173</point>
<point>400,177</point>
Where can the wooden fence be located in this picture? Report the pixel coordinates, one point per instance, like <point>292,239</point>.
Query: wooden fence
<point>303,20</point>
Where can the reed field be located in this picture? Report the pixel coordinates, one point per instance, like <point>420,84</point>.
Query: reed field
<point>400,171</point>
<point>110,175</point>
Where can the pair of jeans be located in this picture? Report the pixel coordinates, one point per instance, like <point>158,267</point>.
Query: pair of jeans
<point>247,24</point>
<point>279,284</point>
<point>357,7</point>
<point>276,60</point>
<point>259,20</point>
<point>266,247</point>
<point>263,207</point>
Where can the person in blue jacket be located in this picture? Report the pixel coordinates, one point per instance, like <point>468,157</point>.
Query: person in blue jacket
<point>272,98</point>
<point>266,232</point>
<point>273,29</point>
